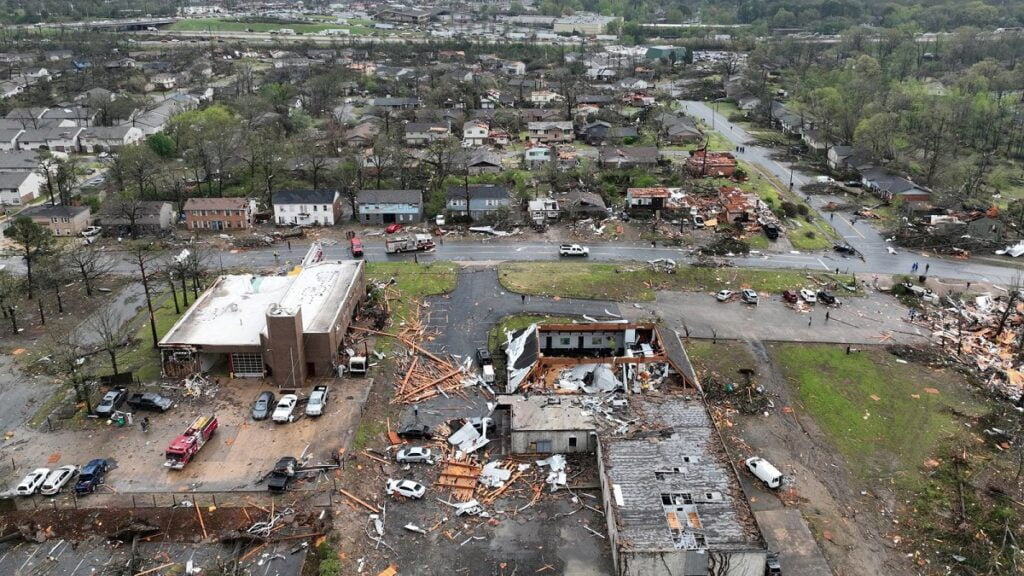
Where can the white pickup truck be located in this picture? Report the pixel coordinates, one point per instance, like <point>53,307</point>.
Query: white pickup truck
<point>573,250</point>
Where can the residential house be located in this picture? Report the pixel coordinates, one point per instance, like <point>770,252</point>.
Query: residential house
<point>475,132</point>
<point>19,161</point>
<point>165,81</point>
<point>71,116</point>
<point>108,138</point>
<point>566,157</point>
<point>889,186</point>
<point>513,68</point>
<point>714,164</point>
<point>389,103</point>
<point>540,114</point>
<point>478,161</point>
<point>737,205</point>
<point>96,95</point>
<point>477,201</point>
<point>595,99</point>
<point>17,188</point>
<point>579,204</point>
<point>647,199</point>
<point>537,156</point>
<point>639,99</point>
<point>627,156</point>
<point>582,23</point>
<point>678,129</point>
<point>361,135</point>
<point>155,119</point>
<point>11,88</point>
<point>151,217</point>
<point>36,73</point>
<point>59,220</point>
<point>838,156</point>
<point>787,121</point>
<point>495,99</point>
<point>543,210</point>
<point>423,133</point>
<point>550,132</point>
<point>390,206</point>
<point>544,97</point>
<point>56,139</point>
<point>307,207</point>
<point>9,138</point>
<point>498,137</point>
<point>121,64</point>
<point>219,213</point>
<point>58,55</point>
<point>600,132</point>
<point>815,141</point>
<point>634,84</point>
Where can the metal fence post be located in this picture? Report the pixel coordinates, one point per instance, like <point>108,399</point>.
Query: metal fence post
<point>154,500</point>
<point>214,496</point>
<point>133,502</point>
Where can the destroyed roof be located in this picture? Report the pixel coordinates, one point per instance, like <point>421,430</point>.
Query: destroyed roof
<point>657,192</point>
<point>678,490</point>
<point>521,349</point>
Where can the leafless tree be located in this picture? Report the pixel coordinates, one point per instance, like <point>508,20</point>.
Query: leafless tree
<point>144,255</point>
<point>127,205</point>
<point>90,264</point>
<point>111,329</point>
<point>65,353</point>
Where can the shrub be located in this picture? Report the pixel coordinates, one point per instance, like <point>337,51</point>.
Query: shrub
<point>802,209</point>
<point>810,234</point>
<point>329,563</point>
<point>789,209</point>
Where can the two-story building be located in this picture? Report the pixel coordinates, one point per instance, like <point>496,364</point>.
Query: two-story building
<point>307,207</point>
<point>17,188</point>
<point>60,220</point>
<point>219,213</point>
<point>536,156</point>
<point>550,132</point>
<point>475,133</point>
<point>390,206</point>
<point>108,138</point>
<point>423,133</point>
<point>476,201</point>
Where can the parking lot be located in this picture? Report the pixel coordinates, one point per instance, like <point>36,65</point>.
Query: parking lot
<point>238,455</point>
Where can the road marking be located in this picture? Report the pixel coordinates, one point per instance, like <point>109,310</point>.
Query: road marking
<point>850,224</point>
<point>823,265</point>
<point>797,178</point>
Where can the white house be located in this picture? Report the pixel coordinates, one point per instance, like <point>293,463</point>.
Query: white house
<point>514,68</point>
<point>9,138</point>
<point>59,139</point>
<point>108,138</point>
<point>163,81</point>
<point>475,133</point>
<point>535,156</point>
<point>544,97</point>
<point>17,188</point>
<point>307,207</point>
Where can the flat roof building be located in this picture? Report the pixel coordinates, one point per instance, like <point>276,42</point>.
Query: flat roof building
<point>284,327</point>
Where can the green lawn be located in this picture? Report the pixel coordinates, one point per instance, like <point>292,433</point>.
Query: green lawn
<point>415,281</point>
<point>633,282</point>
<point>887,438</point>
<point>142,358</point>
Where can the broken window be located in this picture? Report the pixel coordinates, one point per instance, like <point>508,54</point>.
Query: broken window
<point>572,441</point>
<point>676,499</point>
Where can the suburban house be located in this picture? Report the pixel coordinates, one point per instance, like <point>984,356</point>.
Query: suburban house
<point>71,116</point>
<point>838,156</point>
<point>647,199</point>
<point>627,156</point>
<point>422,133</point>
<point>307,207</point>
<point>219,213</point>
<point>9,138</point>
<point>550,132</point>
<point>679,129</point>
<point>544,97</point>
<point>389,103</point>
<point>478,161</point>
<point>543,210</point>
<point>536,156</point>
<point>55,139</point>
<point>18,188</point>
<point>477,201</point>
<point>513,68</point>
<point>390,206</point>
<point>787,121</point>
<point>889,186</point>
<point>580,204</point>
<point>361,135</point>
<point>96,95</point>
<point>601,132</point>
<point>815,140</point>
<point>108,138</point>
<point>738,206</point>
<point>19,161</point>
<point>494,99</point>
<point>166,81</point>
<point>498,137</point>
<point>714,164</point>
<point>475,132</point>
<point>60,220</point>
<point>151,217</point>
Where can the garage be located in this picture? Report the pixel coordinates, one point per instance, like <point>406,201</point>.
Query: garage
<point>246,364</point>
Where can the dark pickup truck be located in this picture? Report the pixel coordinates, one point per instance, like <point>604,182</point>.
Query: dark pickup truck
<point>150,401</point>
<point>281,476</point>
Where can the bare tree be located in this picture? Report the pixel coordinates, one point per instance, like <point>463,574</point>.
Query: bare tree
<point>144,255</point>
<point>35,241</point>
<point>90,264</point>
<point>10,287</point>
<point>65,353</point>
<point>54,274</point>
<point>112,331</point>
<point>127,205</point>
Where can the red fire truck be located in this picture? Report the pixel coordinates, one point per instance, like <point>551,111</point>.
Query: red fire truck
<point>185,446</point>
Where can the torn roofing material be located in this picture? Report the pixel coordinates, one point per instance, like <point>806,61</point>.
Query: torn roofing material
<point>522,350</point>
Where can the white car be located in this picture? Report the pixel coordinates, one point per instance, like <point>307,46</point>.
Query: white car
<point>92,231</point>
<point>573,250</point>
<point>57,479</point>
<point>407,488</point>
<point>808,295</point>
<point>749,296</point>
<point>724,295</point>
<point>415,454</point>
<point>764,471</point>
<point>825,180</point>
<point>317,401</point>
<point>32,482</point>
<point>285,407</point>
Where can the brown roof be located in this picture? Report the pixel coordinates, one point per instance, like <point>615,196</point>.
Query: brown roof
<point>216,204</point>
<point>648,192</point>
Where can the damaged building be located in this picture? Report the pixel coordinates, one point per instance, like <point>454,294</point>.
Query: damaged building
<point>627,394</point>
<point>285,327</point>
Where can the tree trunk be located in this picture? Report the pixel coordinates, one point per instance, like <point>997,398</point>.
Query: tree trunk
<point>86,280</point>
<point>14,319</point>
<point>184,292</point>
<point>149,300</point>
<point>174,294</point>
<point>113,358</point>
<point>42,315</point>
<point>60,300</point>
<point>28,267</point>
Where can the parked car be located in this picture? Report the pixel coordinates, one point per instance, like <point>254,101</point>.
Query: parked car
<point>91,475</point>
<point>407,488</point>
<point>854,183</point>
<point>826,297</point>
<point>91,233</point>
<point>111,402</point>
<point>32,482</point>
<point>393,228</point>
<point>483,355</point>
<point>772,566</point>
<point>285,407</point>
<point>261,408</point>
<point>317,401</point>
<point>416,431</point>
<point>573,250</point>
<point>150,401</point>
<point>749,296</point>
<point>415,454</point>
<point>764,471</point>
<point>724,295</point>
<point>282,474</point>
<point>57,479</point>
<point>808,295</point>
<point>845,249</point>
<point>790,296</point>
<point>439,220</point>
<point>825,180</point>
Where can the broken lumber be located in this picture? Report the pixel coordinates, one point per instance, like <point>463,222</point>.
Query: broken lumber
<point>151,570</point>
<point>357,500</point>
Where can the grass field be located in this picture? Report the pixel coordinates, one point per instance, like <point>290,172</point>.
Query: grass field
<point>632,282</point>
<point>885,417</point>
<point>414,282</point>
<point>142,358</point>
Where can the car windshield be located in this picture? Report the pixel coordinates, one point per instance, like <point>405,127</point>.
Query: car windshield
<point>84,477</point>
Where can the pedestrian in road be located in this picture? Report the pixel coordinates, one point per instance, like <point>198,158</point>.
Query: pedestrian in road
<point>276,256</point>
<point>810,319</point>
<point>289,245</point>
<point>442,240</point>
<point>837,270</point>
<point>654,243</point>
<point>416,258</point>
<point>926,267</point>
<point>827,315</point>
<point>832,216</point>
<point>968,287</point>
<point>913,267</point>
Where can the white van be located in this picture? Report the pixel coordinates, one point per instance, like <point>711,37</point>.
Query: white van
<point>763,469</point>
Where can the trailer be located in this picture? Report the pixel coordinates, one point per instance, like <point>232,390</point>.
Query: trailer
<point>409,243</point>
<point>186,445</point>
